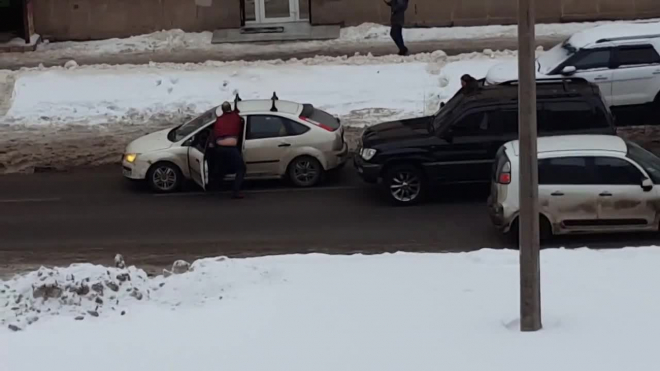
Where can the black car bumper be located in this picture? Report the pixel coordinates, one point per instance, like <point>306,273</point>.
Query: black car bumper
<point>369,172</point>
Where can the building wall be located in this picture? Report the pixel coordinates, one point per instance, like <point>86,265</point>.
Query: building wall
<point>479,12</point>
<point>99,19</point>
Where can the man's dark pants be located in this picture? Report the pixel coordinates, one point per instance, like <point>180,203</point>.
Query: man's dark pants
<point>228,160</point>
<point>396,32</point>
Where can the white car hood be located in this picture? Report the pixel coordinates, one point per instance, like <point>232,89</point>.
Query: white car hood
<point>506,71</point>
<point>150,142</point>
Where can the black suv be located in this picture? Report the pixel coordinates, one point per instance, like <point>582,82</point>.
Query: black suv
<point>458,144</point>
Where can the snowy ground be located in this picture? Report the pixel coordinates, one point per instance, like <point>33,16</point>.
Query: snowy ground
<point>86,115</point>
<point>366,33</point>
<point>303,312</point>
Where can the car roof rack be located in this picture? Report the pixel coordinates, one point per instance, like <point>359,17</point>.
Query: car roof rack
<point>273,99</point>
<point>624,38</point>
<point>236,100</point>
<point>565,81</point>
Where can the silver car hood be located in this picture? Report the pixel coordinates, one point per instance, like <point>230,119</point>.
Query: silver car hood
<point>150,142</point>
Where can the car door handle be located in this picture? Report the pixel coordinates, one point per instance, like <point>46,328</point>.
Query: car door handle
<point>601,78</point>
<point>605,194</point>
<point>284,145</point>
<point>557,193</point>
<point>656,72</point>
<point>197,160</point>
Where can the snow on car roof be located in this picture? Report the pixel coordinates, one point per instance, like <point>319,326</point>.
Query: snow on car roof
<point>576,143</point>
<point>590,36</point>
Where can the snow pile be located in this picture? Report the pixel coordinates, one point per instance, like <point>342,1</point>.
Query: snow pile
<point>385,312</point>
<point>79,291</point>
<point>178,40</point>
<point>107,94</point>
<point>377,32</point>
<point>83,291</point>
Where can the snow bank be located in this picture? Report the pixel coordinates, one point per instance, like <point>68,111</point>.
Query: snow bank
<point>107,94</point>
<point>386,312</point>
<point>170,40</point>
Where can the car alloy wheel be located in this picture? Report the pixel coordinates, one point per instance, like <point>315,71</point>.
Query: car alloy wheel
<point>164,178</point>
<point>305,172</point>
<point>405,185</point>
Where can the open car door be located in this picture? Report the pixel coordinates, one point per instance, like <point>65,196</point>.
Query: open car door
<point>197,164</point>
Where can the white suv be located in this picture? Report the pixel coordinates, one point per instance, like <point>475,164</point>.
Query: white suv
<point>622,58</point>
<point>587,183</point>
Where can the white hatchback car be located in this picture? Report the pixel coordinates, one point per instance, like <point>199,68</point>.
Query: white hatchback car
<point>281,139</point>
<point>623,59</point>
<point>587,184</point>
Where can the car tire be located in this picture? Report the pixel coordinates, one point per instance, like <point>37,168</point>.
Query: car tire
<point>305,171</point>
<point>405,185</point>
<point>164,177</point>
<point>545,230</point>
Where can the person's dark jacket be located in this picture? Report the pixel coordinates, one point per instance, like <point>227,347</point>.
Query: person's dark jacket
<point>399,8</point>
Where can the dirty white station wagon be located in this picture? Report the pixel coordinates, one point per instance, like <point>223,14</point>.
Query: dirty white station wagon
<point>281,139</point>
<point>587,184</point>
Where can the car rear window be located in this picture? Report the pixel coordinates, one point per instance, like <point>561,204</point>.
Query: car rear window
<point>320,116</point>
<point>566,116</point>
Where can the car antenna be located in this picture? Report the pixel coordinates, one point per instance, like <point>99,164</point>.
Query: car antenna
<point>236,100</point>
<point>273,99</point>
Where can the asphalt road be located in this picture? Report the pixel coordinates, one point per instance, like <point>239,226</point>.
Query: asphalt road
<point>92,214</point>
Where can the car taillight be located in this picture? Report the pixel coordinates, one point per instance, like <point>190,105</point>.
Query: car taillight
<point>316,123</point>
<point>505,174</point>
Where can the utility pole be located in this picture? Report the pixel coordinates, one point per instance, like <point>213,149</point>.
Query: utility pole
<point>528,221</point>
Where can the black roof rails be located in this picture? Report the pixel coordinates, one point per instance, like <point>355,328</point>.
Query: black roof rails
<point>273,99</point>
<point>236,100</point>
<point>623,38</point>
<point>552,80</point>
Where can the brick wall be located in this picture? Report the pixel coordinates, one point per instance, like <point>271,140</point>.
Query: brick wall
<point>479,12</point>
<point>98,19</point>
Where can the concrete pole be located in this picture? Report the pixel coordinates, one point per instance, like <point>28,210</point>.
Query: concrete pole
<point>528,221</point>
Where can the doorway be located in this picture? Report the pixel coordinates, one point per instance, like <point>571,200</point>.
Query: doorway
<point>16,20</point>
<point>275,11</point>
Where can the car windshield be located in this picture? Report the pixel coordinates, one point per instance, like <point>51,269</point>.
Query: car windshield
<point>182,131</point>
<point>552,58</point>
<point>647,160</point>
<point>441,117</point>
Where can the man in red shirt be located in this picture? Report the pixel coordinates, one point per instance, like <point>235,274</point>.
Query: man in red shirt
<point>228,157</point>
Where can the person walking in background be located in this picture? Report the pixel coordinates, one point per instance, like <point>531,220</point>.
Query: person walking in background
<point>227,154</point>
<point>397,20</point>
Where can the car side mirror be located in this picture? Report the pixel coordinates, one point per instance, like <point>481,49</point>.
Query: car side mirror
<point>188,142</point>
<point>568,70</point>
<point>647,185</point>
<point>442,104</point>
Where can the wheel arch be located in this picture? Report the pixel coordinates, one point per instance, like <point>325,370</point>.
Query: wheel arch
<point>551,224</point>
<point>411,161</point>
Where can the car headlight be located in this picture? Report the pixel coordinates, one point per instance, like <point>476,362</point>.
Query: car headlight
<point>367,153</point>
<point>130,157</point>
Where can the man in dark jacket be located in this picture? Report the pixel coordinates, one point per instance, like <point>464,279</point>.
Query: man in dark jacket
<point>397,20</point>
